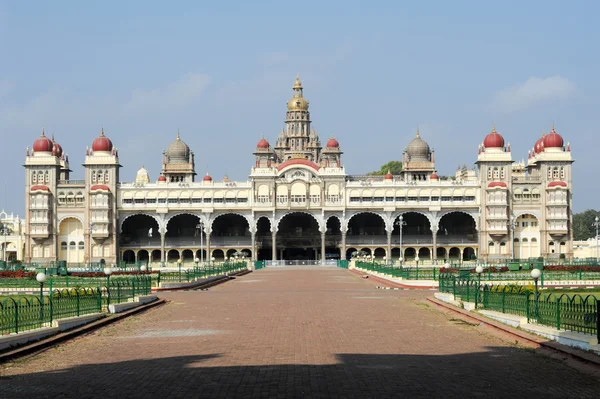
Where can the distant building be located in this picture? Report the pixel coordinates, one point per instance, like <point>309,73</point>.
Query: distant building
<point>12,238</point>
<point>299,203</point>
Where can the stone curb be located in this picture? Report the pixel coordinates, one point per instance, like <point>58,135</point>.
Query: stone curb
<point>205,284</point>
<point>573,352</point>
<point>44,343</point>
<point>388,283</point>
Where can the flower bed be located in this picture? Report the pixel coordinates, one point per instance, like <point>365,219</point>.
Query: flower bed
<point>17,274</point>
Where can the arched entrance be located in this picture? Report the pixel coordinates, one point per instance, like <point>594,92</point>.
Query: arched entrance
<point>379,253</point>
<point>333,237</point>
<point>139,231</point>
<point>456,228</point>
<point>298,237</point>
<point>71,232</point>
<point>143,256</point>
<point>230,231</point>
<point>218,255</point>
<point>129,256</point>
<point>350,253</point>
<point>263,239</point>
<point>468,254</point>
<point>527,237</point>
<point>416,230</point>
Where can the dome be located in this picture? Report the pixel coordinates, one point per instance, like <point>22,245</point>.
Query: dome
<point>553,140</point>
<point>298,102</point>
<point>297,161</point>
<point>207,177</point>
<point>42,144</point>
<point>333,143</point>
<point>263,144</point>
<point>434,176</point>
<point>102,143</point>
<point>59,150</point>
<point>389,176</point>
<point>178,151</point>
<point>418,149</point>
<point>162,178</point>
<point>142,176</point>
<point>539,144</point>
<point>493,140</point>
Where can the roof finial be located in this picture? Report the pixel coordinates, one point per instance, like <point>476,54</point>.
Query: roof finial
<point>43,134</point>
<point>493,127</point>
<point>102,132</point>
<point>553,127</point>
<point>418,133</point>
<point>178,138</point>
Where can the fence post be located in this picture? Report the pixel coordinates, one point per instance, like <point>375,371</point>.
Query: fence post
<point>597,321</point>
<point>503,298</point>
<point>580,275</point>
<point>77,301</point>
<point>558,313</point>
<point>16,317</point>
<point>542,279</point>
<point>527,293</point>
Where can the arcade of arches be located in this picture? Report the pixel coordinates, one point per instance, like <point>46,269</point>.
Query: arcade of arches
<point>298,236</point>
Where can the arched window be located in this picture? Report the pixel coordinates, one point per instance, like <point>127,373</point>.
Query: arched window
<point>491,243</point>
<point>562,173</point>
<point>496,173</point>
<point>72,246</point>
<point>46,177</point>
<point>525,239</point>
<point>33,177</point>
<point>81,245</point>
<point>534,239</point>
<point>502,244</point>
<point>93,176</point>
<point>106,176</point>
<point>490,175</point>
<point>63,246</point>
<point>551,243</point>
<point>555,174</point>
<point>517,240</point>
<point>562,243</point>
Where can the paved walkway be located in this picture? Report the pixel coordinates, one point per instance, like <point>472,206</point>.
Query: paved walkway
<point>292,333</point>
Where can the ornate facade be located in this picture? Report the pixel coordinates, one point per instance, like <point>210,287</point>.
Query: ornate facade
<point>300,203</point>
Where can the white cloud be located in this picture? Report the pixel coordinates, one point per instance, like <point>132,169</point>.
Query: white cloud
<point>533,91</point>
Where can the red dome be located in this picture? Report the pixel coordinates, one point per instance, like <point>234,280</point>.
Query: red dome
<point>102,143</point>
<point>493,140</point>
<point>263,143</point>
<point>434,176</point>
<point>297,161</point>
<point>42,144</point>
<point>99,187</point>
<point>497,184</point>
<point>39,188</point>
<point>539,144</point>
<point>557,184</point>
<point>333,143</point>
<point>59,150</point>
<point>207,178</point>
<point>389,176</point>
<point>553,140</point>
<point>162,178</point>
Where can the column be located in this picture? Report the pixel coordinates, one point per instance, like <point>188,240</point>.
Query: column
<point>322,246</point>
<point>434,247</point>
<point>388,251</point>
<point>343,249</point>
<point>460,259</point>
<point>274,244</point>
<point>163,255</point>
<point>208,251</point>
<point>253,257</point>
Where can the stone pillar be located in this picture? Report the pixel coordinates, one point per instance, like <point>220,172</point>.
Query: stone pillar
<point>322,246</point>
<point>253,257</point>
<point>388,251</point>
<point>343,249</point>
<point>163,255</point>
<point>274,244</point>
<point>208,251</point>
<point>434,246</point>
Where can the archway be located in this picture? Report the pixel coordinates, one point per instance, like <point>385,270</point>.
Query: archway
<point>183,231</point>
<point>350,252</point>
<point>231,253</point>
<point>456,227</point>
<point>128,256</point>
<point>143,256</point>
<point>454,254</point>
<point>173,255</point>
<point>468,253</point>
<point>139,230</point>
<point>70,231</point>
<point>409,253</point>
<point>424,254</point>
<point>156,255</point>
<point>333,238</point>
<point>201,254</point>
<point>365,251</point>
<point>263,239</point>
<point>366,229</point>
<point>230,230</point>
<point>526,237</point>
<point>298,237</point>
<point>416,229</point>
<point>379,253</point>
<point>441,253</point>
<point>187,255</point>
<point>218,255</point>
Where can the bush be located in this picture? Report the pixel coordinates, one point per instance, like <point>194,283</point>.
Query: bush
<point>17,274</point>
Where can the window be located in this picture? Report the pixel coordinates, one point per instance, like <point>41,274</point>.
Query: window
<point>162,200</point>
<point>197,200</point>
<point>435,198</point>
<point>411,198</point>
<point>457,199</point>
<point>525,239</point>
<point>516,240</point>
<point>502,244</point>
<point>172,201</point>
<point>378,199</point>
<point>389,199</point>
<point>151,201</point>
<point>81,245</point>
<point>534,239</point>
<point>139,201</point>
<point>218,200</point>
<point>72,245</point>
<point>367,199</point>
<point>470,198</point>
<point>106,176</point>
<point>33,177</point>
<point>207,200</point>
<point>93,176</point>
<point>424,199</point>
<point>491,244</point>
<point>47,177</point>
<point>127,200</point>
<point>354,199</point>
<point>63,246</point>
<point>184,200</point>
<point>446,198</point>
<point>562,173</point>
<point>230,200</point>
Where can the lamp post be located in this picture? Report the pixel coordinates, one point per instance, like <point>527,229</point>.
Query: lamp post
<point>179,265</point>
<point>596,224</point>
<point>197,261</point>
<point>107,273</point>
<point>5,230</point>
<point>535,274</point>
<point>143,269</point>
<point>478,270</point>
<point>512,223</point>
<point>200,226</point>
<point>41,278</point>
<point>92,228</point>
<point>400,223</point>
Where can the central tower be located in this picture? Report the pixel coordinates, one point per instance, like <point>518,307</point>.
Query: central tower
<point>297,140</point>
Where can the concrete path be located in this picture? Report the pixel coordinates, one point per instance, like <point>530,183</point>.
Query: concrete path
<point>292,333</point>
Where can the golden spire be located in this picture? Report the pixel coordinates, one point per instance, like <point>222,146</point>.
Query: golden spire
<point>52,136</point>
<point>43,134</point>
<point>297,84</point>
<point>102,132</point>
<point>553,131</point>
<point>493,127</point>
<point>418,133</point>
<point>178,138</point>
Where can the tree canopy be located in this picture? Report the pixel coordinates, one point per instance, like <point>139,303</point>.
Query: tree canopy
<point>583,224</point>
<point>394,167</point>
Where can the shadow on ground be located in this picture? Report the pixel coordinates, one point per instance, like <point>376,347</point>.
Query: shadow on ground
<point>490,374</point>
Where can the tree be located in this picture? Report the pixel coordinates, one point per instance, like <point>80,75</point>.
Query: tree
<point>583,224</point>
<point>394,167</point>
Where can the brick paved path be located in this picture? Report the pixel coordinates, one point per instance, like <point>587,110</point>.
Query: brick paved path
<point>292,333</point>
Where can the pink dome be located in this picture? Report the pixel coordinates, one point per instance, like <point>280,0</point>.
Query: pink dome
<point>42,144</point>
<point>553,140</point>
<point>263,144</point>
<point>207,177</point>
<point>493,140</point>
<point>162,178</point>
<point>333,143</point>
<point>102,143</point>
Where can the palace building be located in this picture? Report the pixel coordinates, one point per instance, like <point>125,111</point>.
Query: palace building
<point>299,203</point>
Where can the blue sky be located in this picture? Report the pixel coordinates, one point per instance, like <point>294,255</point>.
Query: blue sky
<point>221,73</point>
